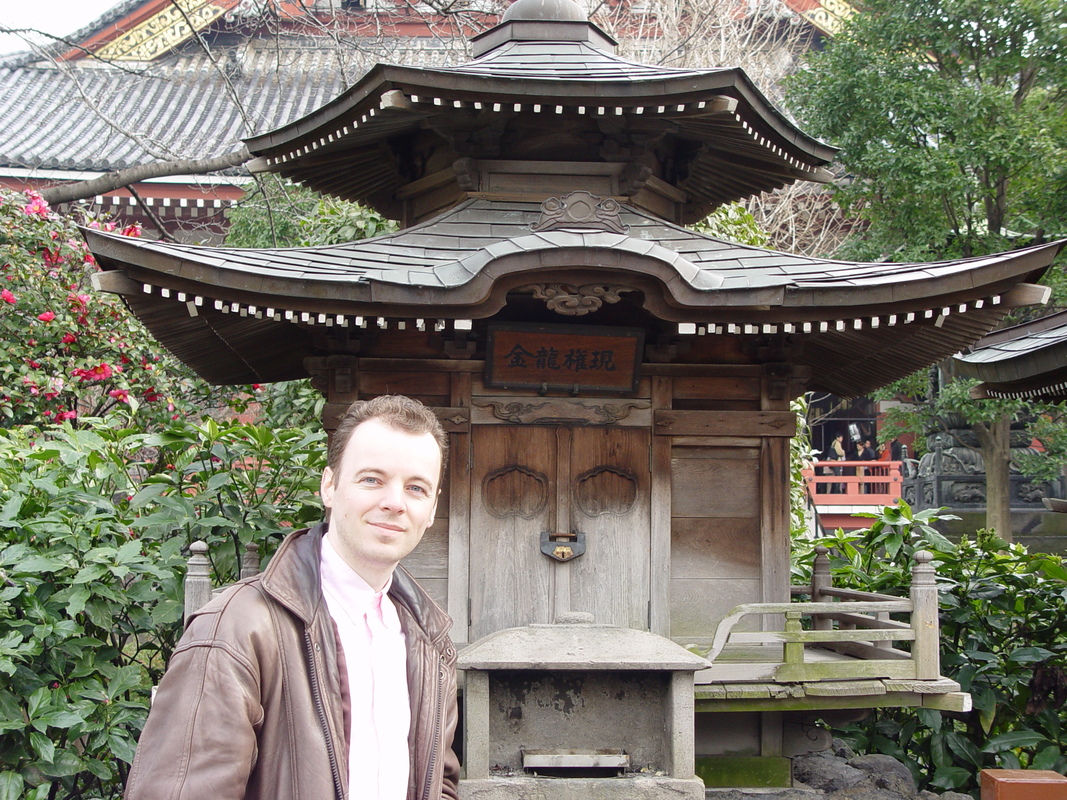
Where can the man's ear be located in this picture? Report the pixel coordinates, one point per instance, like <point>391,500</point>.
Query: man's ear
<point>326,487</point>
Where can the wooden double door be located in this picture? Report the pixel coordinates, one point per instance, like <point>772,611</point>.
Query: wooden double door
<point>529,479</point>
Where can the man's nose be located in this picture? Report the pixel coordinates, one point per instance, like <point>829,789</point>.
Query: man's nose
<point>393,496</point>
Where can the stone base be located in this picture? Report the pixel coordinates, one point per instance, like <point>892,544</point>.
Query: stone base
<point>636,787</point>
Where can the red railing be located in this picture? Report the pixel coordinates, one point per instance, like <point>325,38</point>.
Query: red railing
<point>854,483</point>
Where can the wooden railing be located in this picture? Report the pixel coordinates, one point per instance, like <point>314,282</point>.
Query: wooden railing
<point>848,622</point>
<point>861,483</point>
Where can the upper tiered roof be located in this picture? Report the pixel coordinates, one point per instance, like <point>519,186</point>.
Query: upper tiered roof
<point>544,85</point>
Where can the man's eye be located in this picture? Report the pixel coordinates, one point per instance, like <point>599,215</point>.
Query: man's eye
<point>418,489</point>
<point>368,479</point>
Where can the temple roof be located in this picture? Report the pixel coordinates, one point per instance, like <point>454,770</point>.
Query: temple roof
<point>181,111</point>
<point>238,315</point>
<point>1027,361</point>
<point>709,134</point>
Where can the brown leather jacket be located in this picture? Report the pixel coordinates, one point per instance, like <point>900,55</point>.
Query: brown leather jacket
<point>253,702</point>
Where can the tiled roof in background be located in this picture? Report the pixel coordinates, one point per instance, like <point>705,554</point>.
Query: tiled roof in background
<point>94,117</point>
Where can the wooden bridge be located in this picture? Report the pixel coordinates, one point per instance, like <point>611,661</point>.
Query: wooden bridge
<point>861,486</point>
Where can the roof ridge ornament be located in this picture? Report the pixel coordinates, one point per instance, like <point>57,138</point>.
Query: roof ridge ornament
<point>545,10</point>
<point>580,210</point>
<point>576,301</point>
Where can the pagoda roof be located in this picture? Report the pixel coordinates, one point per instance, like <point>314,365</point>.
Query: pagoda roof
<point>728,140</point>
<point>1027,361</point>
<point>248,315</point>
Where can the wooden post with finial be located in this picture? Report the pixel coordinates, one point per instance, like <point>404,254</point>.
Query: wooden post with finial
<point>926,650</point>
<point>197,578</point>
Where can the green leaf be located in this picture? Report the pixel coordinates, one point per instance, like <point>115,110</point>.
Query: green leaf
<point>10,786</point>
<point>1029,655</point>
<point>1012,740</point>
<point>38,701</point>
<point>1047,758</point>
<point>43,746</point>
<point>950,777</point>
<point>78,597</point>
<point>124,679</point>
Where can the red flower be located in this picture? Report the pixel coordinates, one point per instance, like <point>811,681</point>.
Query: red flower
<point>151,395</point>
<point>8,297</point>
<point>47,316</point>
<point>69,338</point>
<point>122,395</point>
<point>98,373</point>
<point>133,230</point>
<point>65,415</point>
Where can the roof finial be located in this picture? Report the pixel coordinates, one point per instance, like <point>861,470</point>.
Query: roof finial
<point>545,9</point>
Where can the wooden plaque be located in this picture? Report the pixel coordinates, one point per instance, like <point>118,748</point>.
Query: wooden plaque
<point>575,358</point>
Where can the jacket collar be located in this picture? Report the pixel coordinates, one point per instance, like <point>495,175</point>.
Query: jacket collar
<point>292,578</point>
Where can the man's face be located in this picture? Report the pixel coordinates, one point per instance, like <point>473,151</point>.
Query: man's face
<point>382,497</point>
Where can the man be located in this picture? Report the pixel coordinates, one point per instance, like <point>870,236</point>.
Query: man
<point>331,674</point>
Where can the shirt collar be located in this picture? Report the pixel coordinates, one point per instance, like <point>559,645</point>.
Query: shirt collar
<point>355,593</point>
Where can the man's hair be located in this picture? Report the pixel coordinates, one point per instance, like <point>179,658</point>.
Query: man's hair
<point>395,410</point>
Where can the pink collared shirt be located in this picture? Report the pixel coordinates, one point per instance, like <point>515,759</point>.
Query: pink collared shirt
<point>375,656</point>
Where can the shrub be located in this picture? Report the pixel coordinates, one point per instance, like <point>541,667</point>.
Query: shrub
<point>1003,638</point>
<point>93,527</point>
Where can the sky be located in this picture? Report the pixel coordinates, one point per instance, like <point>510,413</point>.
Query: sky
<point>59,17</point>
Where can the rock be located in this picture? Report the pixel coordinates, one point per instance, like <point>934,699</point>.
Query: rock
<point>825,772</point>
<point>887,773</point>
<point>841,749</point>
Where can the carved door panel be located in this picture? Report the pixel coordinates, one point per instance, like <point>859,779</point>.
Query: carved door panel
<point>530,479</point>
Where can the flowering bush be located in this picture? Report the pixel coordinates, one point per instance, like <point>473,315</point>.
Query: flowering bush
<point>67,351</point>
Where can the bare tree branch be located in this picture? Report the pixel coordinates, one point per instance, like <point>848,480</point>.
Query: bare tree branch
<point>116,180</point>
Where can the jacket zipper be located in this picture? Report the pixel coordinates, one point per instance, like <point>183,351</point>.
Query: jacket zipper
<point>316,697</point>
<point>436,727</point>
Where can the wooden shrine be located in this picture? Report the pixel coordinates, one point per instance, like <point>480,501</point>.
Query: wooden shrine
<point>616,386</point>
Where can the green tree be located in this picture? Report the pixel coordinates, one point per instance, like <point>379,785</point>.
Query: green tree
<point>280,214</point>
<point>952,119</point>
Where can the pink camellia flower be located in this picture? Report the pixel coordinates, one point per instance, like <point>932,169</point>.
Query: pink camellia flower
<point>37,206</point>
<point>151,395</point>
<point>98,373</point>
<point>8,297</point>
<point>69,338</point>
<point>133,230</point>
<point>47,316</point>
<point>65,415</point>
<point>122,395</point>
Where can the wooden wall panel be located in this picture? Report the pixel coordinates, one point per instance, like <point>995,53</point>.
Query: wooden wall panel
<point>714,487</point>
<point>413,384</point>
<point>724,388</point>
<point>722,547</point>
<point>430,558</point>
<point>697,605</point>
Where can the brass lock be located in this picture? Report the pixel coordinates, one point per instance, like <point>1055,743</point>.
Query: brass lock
<point>563,546</point>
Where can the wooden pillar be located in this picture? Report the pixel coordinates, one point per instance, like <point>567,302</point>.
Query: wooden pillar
<point>250,561</point>
<point>924,619</point>
<point>197,579</point>
<point>821,579</point>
